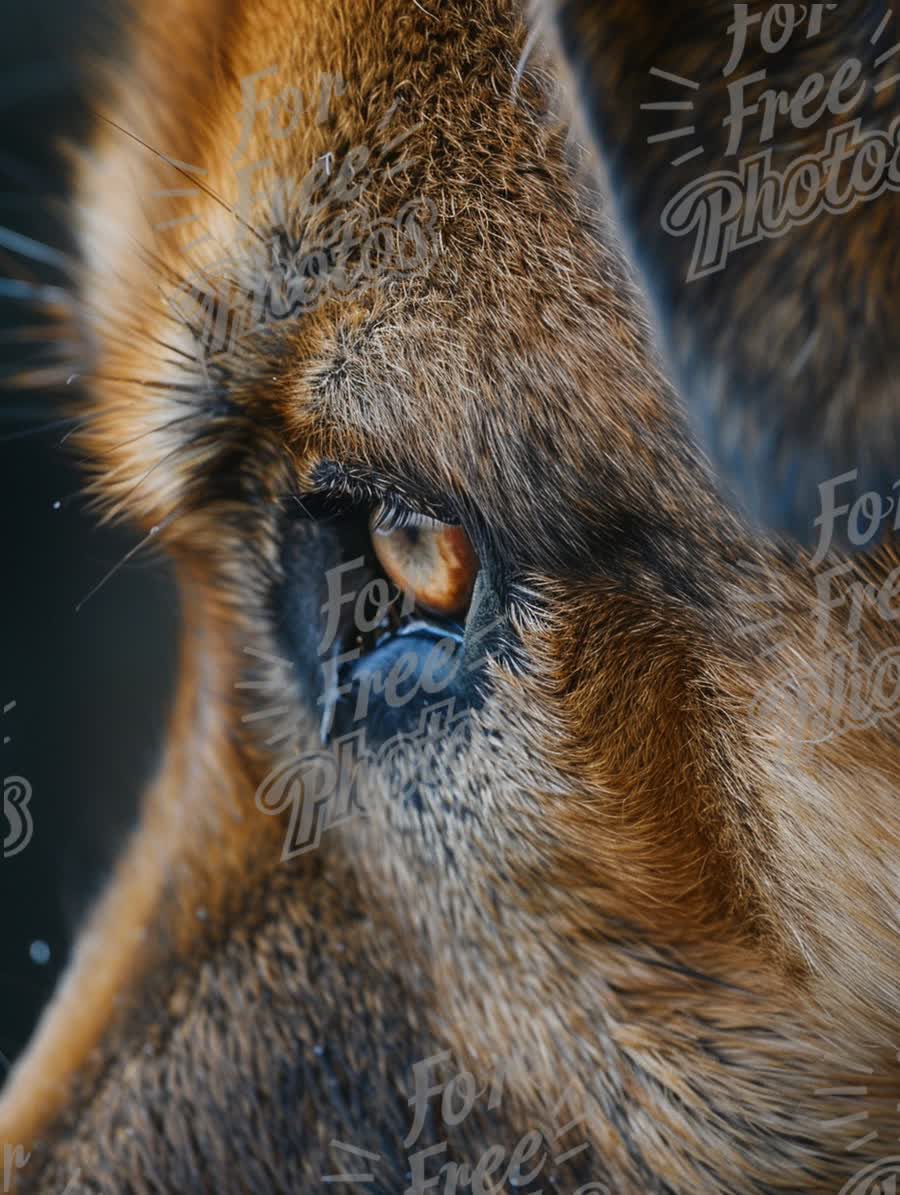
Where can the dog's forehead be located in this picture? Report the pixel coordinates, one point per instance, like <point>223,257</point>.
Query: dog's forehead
<point>485,332</point>
<point>472,399</point>
<point>518,345</point>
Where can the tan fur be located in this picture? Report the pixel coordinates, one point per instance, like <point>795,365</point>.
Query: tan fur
<point>648,901</point>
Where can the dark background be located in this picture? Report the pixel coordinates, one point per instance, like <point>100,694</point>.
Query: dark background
<point>90,687</point>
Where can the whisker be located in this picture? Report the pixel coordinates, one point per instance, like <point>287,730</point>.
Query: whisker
<point>36,250</point>
<point>126,498</point>
<point>281,737</point>
<point>260,715</point>
<point>171,390</point>
<point>36,431</point>
<point>77,428</point>
<point>130,554</point>
<point>149,384</point>
<point>18,291</point>
<point>35,378</point>
<point>152,258</point>
<point>161,428</point>
<point>530,43</point>
<point>267,657</point>
<point>191,178</point>
<point>881,28</point>
<point>679,79</point>
<point>687,131</point>
<point>173,349</point>
<point>142,334</point>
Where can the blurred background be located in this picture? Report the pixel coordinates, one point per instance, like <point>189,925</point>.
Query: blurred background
<point>83,694</point>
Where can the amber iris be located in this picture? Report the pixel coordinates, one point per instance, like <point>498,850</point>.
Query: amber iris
<point>434,562</point>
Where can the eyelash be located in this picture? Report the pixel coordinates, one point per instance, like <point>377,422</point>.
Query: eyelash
<point>392,514</point>
<point>392,509</point>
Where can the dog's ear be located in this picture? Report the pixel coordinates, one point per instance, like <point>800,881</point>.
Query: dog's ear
<point>752,156</point>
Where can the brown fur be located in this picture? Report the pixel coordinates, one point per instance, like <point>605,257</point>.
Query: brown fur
<point>786,356</point>
<point>624,888</point>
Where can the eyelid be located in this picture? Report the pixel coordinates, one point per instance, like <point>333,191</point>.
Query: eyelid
<point>391,515</point>
<point>388,496</point>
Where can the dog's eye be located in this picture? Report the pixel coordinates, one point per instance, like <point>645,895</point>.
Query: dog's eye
<point>433,562</point>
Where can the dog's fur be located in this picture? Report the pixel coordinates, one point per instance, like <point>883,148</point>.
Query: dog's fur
<point>787,357</point>
<point>625,889</point>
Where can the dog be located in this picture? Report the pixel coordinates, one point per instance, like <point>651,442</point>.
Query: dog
<point>527,817</point>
